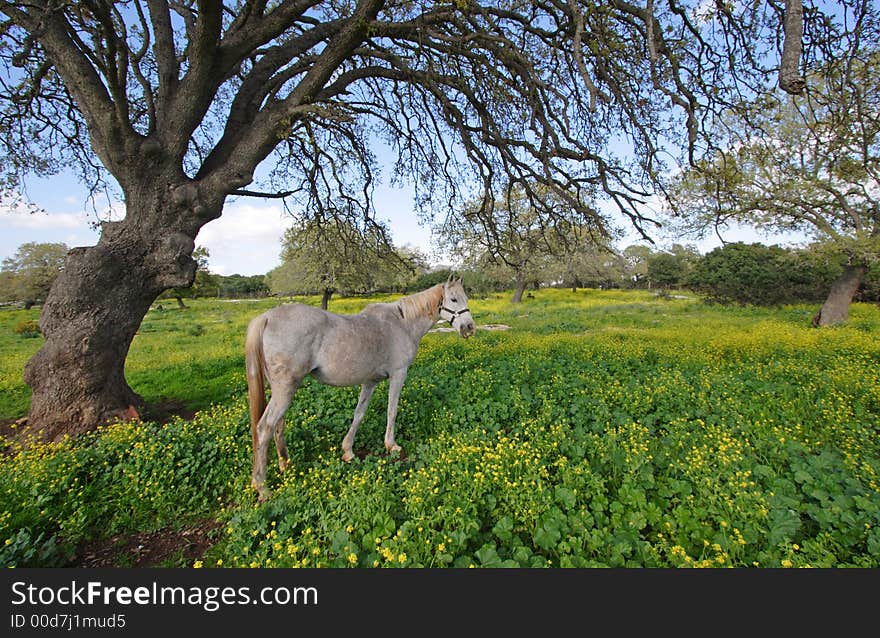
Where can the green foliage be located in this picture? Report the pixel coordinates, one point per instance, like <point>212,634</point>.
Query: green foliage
<point>603,429</point>
<point>239,286</point>
<point>335,255</point>
<point>27,328</point>
<point>125,477</point>
<point>29,273</point>
<point>762,275</point>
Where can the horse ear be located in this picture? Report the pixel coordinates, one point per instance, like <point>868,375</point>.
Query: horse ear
<point>450,279</point>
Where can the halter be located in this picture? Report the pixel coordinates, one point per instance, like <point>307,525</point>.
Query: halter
<point>454,313</point>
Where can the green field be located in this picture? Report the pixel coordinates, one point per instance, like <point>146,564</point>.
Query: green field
<point>611,428</point>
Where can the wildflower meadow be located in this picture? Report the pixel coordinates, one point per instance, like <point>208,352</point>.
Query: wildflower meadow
<point>601,428</point>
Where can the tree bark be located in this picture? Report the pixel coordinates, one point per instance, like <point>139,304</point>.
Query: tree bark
<point>835,310</point>
<point>790,78</point>
<point>325,298</point>
<point>95,308</point>
<point>518,291</point>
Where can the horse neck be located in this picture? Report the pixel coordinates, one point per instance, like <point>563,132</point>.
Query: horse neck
<point>418,327</point>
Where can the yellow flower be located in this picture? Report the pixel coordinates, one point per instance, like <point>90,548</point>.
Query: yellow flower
<point>197,564</point>
<point>352,558</point>
<point>786,563</point>
<point>219,562</point>
<point>401,558</point>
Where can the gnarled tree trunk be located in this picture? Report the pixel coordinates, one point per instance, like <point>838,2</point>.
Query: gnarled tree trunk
<point>96,306</point>
<point>836,307</point>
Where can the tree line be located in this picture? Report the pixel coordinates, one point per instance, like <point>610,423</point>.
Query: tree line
<point>738,273</point>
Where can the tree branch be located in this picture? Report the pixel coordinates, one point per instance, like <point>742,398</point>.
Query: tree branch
<point>790,78</point>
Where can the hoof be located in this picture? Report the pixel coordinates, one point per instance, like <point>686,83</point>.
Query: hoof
<point>283,464</point>
<point>395,449</point>
<point>348,456</point>
<point>263,492</point>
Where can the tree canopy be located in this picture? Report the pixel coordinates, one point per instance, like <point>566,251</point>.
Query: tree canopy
<point>808,163</point>
<point>470,96</point>
<point>327,257</point>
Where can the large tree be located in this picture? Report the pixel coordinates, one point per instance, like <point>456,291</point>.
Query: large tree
<point>809,163</point>
<point>181,102</point>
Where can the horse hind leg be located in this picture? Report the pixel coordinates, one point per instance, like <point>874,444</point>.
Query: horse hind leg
<point>359,412</point>
<point>271,424</point>
<point>281,445</point>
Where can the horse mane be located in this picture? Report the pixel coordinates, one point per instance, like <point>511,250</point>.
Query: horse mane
<point>421,304</point>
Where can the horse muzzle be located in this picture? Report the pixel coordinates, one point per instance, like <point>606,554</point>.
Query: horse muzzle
<point>467,328</point>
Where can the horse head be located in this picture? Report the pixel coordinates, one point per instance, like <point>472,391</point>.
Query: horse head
<point>454,307</point>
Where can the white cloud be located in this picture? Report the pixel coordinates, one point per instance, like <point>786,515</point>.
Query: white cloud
<point>246,239</point>
<point>19,217</point>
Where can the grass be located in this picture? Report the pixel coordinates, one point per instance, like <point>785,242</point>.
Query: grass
<point>609,428</point>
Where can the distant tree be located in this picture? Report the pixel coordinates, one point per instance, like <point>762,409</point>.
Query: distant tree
<point>32,270</point>
<point>398,272</point>
<point>334,256</point>
<point>670,269</point>
<point>588,262</point>
<point>509,243</point>
<point>7,286</point>
<point>431,277</point>
<point>635,264</point>
<point>238,286</point>
<point>745,274</point>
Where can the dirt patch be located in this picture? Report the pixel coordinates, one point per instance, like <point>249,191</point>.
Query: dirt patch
<point>485,326</point>
<point>164,411</point>
<point>165,548</point>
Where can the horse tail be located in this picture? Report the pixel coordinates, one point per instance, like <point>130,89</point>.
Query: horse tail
<point>255,364</point>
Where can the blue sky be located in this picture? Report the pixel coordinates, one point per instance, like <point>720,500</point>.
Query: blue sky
<point>245,240</point>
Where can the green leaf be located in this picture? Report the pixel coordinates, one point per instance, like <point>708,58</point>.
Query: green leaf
<point>783,525</point>
<point>503,529</point>
<point>546,537</point>
<point>339,540</point>
<point>488,556</point>
<point>565,497</point>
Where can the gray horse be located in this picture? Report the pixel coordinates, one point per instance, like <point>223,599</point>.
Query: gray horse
<point>285,344</point>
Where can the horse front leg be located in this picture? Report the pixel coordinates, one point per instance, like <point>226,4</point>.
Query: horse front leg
<point>359,412</point>
<point>395,384</point>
